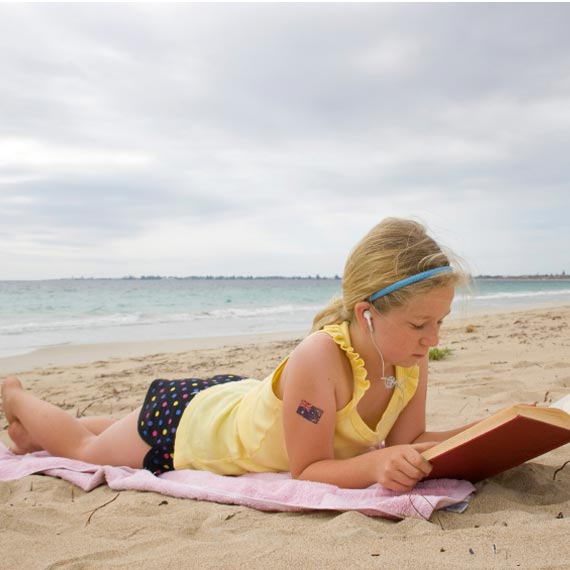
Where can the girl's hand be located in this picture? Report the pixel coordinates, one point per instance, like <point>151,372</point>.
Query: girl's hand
<point>401,467</point>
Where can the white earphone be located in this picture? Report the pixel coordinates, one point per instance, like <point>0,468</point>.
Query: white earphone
<point>368,316</point>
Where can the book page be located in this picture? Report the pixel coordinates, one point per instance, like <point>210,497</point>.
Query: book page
<point>562,404</point>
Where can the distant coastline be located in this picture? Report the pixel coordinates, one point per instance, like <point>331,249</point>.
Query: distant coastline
<point>233,277</point>
<point>536,277</point>
<point>485,277</point>
<point>194,278</point>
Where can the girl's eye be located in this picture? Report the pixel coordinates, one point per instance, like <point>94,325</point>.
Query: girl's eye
<point>423,325</point>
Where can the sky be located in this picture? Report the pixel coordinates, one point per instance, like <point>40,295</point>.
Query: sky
<point>264,139</point>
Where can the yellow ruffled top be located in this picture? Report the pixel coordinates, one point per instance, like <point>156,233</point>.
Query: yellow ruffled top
<point>237,427</point>
<point>352,435</point>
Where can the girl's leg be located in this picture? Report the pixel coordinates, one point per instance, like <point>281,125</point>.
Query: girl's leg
<point>54,430</point>
<point>95,424</point>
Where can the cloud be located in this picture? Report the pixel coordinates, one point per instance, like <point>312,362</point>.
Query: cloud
<point>267,138</point>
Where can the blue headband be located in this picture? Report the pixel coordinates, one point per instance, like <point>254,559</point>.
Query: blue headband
<point>408,281</point>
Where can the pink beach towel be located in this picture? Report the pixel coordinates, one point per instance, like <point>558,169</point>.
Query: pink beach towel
<point>263,491</point>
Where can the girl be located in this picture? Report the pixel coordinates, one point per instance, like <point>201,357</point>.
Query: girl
<point>359,380</point>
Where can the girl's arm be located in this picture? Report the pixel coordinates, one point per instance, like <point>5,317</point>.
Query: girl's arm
<point>313,387</point>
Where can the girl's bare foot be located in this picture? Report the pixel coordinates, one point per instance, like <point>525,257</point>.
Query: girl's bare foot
<point>9,387</point>
<point>22,442</point>
<point>16,431</point>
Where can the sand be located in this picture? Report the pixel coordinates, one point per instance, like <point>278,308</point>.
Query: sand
<point>519,519</point>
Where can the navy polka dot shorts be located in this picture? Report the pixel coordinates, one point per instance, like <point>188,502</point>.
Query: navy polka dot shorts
<point>161,412</point>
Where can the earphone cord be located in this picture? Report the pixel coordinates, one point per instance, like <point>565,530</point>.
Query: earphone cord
<point>389,381</point>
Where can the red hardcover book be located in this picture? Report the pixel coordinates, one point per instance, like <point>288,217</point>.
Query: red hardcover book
<point>504,440</point>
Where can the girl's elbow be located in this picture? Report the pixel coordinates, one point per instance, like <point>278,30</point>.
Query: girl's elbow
<point>297,473</point>
<point>304,473</point>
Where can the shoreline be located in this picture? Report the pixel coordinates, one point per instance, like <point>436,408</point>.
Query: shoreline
<point>77,354</point>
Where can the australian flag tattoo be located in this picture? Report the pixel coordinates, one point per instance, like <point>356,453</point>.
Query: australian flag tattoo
<point>309,412</point>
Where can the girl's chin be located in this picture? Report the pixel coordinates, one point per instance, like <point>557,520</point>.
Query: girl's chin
<point>411,361</point>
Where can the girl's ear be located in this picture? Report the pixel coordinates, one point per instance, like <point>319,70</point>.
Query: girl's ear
<point>363,315</point>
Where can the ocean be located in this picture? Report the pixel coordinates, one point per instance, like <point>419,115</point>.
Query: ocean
<point>36,314</point>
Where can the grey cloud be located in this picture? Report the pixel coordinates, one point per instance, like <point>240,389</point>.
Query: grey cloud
<point>260,108</point>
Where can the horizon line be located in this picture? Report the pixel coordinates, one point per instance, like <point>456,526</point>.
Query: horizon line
<point>316,277</point>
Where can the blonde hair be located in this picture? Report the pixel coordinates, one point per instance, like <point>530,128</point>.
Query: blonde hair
<point>392,250</point>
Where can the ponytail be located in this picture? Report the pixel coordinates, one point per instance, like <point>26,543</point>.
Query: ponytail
<point>332,314</point>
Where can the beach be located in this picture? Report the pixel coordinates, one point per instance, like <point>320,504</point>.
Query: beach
<point>519,519</point>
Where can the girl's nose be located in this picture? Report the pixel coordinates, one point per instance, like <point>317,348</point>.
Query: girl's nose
<point>431,338</point>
